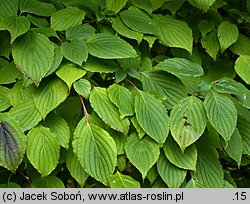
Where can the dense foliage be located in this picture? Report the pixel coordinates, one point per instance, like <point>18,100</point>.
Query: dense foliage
<point>124,93</point>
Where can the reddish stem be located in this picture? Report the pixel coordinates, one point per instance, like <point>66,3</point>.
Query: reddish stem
<point>133,85</point>
<point>84,110</point>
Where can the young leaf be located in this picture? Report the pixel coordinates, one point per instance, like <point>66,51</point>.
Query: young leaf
<point>70,73</point>
<point>187,121</point>
<point>60,128</point>
<point>107,46</point>
<point>107,111</point>
<point>138,20</point>
<point>66,18</point>
<point>16,26</point>
<point>228,34</point>
<point>119,180</point>
<point>185,160</point>
<point>27,114</point>
<point>82,87</point>
<point>152,116</point>
<point>180,67</point>
<point>4,101</point>
<point>142,153</point>
<point>170,174</point>
<point>42,150</point>
<point>201,4</point>
<point>235,147</point>
<point>49,95</point>
<point>209,171</point>
<point>75,51</point>
<point>120,141</point>
<point>166,84</point>
<point>221,113</point>
<point>33,55</point>
<point>242,67</point>
<point>75,168</point>
<point>122,98</point>
<point>12,143</point>
<point>173,32</point>
<point>95,149</point>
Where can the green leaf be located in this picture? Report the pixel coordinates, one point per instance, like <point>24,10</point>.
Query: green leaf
<point>75,51</point>
<point>171,175</point>
<point>209,171</point>
<point>211,43</point>
<point>125,31</point>
<point>95,149</point>
<point>10,185</point>
<point>67,18</point>
<point>157,3</point>
<point>107,111</point>
<point>228,34</point>
<point>9,74</point>
<point>152,116</point>
<point>138,128</point>
<point>201,4</point>
<point>47,32</point>
<point>58,57</point>
<point>173,32</point>
<point>142,153</point>
<point>120,141</point>
<point>115,5</point>
<point>119,180</point>
<point>27,114</point>
<point>205,27</point>
<point>138,20</point>
<point>235,147</point>
<point>37,21</point>
<point>4,101</point>
<point>243,126</point>
<point>42,150</point>
<point>145,5</point>
<point>33,55</point>
<point>221,113</point>
<point>166,84</point>
<point>80,32</point>
<point>230,86</point>
<point>100,65</point>
<point>174,6</point>
<point>107,46</point>
<point>70,73</point>
<point>60,128</point>
<point>242,67</point>
<point>16,26</point>
<point>121,162</point>
<point>48,182</point>
<point>242,45</point>
<point>82,87</point>
<point>180,67</point>
<point>8,8</point>
<point>49,95</point>
<point>12,143</point>
<point>122,98</point>
<point>185,160</point>
<point>36,7</point>
<point>187,121</point>
<point>75,168</point>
